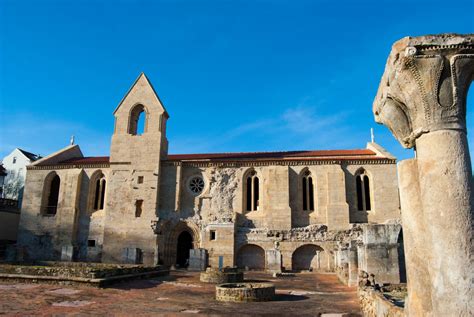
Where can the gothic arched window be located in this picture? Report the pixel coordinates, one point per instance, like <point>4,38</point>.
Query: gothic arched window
<point>98,198</point>
<point>308,192</point>
<point>252,192</point>
<point>51,194</point>
<point>363,191</point>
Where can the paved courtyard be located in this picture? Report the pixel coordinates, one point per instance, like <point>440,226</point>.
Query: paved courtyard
<point>181,292</point>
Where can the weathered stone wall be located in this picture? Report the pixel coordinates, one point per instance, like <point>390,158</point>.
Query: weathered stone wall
<point>374,304</point>
<point>43,235</point>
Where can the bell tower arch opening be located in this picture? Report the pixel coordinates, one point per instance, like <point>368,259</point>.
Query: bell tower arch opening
<point>138,120</point>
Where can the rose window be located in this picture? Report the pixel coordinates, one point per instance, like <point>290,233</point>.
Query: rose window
<point>196,185</point>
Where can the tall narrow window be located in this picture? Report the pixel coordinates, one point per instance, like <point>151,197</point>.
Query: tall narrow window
<point>252,192</point>
<point>363,191</point>
<point>367,192</point>
<point>102,193</point>
<point>305,194</point>
<point>249,194</point>
<point>53,196</point>
<point>255,193</point>
<point>138,208</point>
<point>308,192</point>
<point>138,120</point>
<point>360,204</point>
<point>99,192</point>
<point>311,193</point>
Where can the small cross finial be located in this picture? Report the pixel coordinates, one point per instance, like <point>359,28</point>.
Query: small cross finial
<point>72,140</point>
<point>372,137</point>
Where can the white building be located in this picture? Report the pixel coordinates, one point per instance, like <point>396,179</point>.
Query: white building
<point>15,165</point>
<point>3,173</point>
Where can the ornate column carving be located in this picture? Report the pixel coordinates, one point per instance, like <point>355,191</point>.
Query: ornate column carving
<point>424,86</point>
<point>422,100</point>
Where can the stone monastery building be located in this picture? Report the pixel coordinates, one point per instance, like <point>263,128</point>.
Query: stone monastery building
<point>266,210</point>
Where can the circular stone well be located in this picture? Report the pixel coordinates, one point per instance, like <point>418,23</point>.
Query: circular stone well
<point>226,275</point>
<point>245,292</point>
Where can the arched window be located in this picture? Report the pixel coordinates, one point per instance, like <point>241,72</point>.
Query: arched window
<point>308,192</point>
<point>363,191</point>
<point>99,192</point>
<point>138,120</point>
<point>252,190</point>
<point>51,192</point>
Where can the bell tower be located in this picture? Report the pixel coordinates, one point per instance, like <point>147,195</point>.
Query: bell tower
<point>138,145</point>
<point>133,141</point>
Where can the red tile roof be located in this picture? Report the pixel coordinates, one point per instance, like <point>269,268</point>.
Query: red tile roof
<point>362,154</point>
<point>86,160</point>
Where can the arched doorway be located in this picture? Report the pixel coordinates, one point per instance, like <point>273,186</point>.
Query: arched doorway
<point>251,256</point>
<point>308,257</point>
<point>185,243</point>
<point>182,237</point>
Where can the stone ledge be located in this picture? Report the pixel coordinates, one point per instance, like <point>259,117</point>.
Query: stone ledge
<point>96,282</point>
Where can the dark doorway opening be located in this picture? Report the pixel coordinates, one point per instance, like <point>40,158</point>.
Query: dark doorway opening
<point>185,243</point>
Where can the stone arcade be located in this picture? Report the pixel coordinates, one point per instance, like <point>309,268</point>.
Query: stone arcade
<point>334,210</point>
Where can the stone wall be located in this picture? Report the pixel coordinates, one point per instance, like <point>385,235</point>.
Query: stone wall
<point>378,253</point>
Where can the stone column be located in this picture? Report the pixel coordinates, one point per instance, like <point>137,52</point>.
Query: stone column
<point>353,265</point>
<point>422,100</point>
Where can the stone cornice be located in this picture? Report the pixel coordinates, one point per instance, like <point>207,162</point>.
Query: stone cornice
<point>67,166</point>
<point>278,163</point>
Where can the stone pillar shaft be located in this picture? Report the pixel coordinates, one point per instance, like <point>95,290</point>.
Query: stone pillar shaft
<point>444,173</point>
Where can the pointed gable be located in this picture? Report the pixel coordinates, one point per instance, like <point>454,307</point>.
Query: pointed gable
<point>141,92</point>
<point>67,153</point>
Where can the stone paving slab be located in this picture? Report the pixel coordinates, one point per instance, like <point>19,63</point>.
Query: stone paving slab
<point>306,294</point>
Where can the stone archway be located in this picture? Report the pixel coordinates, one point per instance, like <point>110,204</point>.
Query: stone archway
<point>183,237</point>
<point>308,257</point>
<point>251,256</point>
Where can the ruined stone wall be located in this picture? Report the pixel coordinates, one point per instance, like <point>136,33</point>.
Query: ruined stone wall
<point>379,252</point>
<point>220,207</point>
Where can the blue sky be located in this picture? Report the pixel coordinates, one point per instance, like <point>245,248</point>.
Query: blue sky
<point>234,75</point>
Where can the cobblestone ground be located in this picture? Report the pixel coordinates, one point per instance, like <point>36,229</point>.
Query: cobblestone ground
<point>181,292</point>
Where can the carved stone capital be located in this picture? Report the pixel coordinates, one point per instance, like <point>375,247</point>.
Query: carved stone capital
<point>424,86</point>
